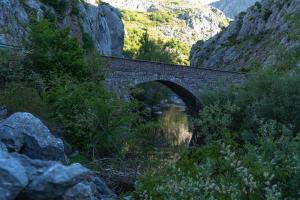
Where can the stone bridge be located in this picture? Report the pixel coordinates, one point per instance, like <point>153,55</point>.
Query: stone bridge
<point>187,82</point>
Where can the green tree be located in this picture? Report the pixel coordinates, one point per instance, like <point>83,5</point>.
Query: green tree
<point>152,50</point>
<point>55,51</point>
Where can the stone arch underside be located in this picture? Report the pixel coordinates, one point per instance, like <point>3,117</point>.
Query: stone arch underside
<point>191,101</point>
<point>123,86</point>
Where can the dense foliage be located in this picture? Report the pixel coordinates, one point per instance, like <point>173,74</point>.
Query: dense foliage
<point>54,51</point>
<point>153,50</point>
<point>58,81</point>
<point>249,146</point>
<point>94,121</point>
<point>141,42</point>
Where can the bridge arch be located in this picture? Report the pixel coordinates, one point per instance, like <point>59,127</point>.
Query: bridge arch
<point>191,101</point>
<point>123,86</point>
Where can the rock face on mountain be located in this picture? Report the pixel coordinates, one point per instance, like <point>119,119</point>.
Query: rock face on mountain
<point>232,8</point>
<point>42,176</point>
<point>268,34</point>
<point>101,23</point>
<point>188,21</point>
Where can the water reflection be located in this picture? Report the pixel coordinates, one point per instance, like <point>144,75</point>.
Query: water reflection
<point>159,103</point>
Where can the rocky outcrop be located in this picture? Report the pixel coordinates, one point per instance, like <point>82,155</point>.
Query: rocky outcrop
<point>232,8</point>
<point>266,35</point>
<point>183,21</point>
<point>22,177</point>
<point>190,21</point>
<point>26,134</point>
<point>101,23</point>
<point>13,178</point>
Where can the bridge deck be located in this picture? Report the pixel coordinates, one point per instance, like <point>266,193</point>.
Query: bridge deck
<point>173,65</point>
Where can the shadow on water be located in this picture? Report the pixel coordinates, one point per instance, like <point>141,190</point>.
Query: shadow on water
<point>161,104</point>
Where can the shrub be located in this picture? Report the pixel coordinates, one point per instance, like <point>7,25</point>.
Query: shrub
<point>160,51</point>
<point>11,66</point>
<point>223,171</point>
<point>93,120</point>
<point>161,16</point>
<point>54,51</point>
<point>267,96</point>
<point>23,98</point>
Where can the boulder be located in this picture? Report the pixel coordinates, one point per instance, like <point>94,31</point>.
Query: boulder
<point>25,134</point>
<point>13,177</point>
<point>31,167</point>
<point>63,182</point>
<point>49,180</point>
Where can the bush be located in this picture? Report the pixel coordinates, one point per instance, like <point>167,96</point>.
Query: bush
<point>21,98</point>
<point>54,51</point>
<point>152,50</point>
<point>266,97</point>
<point>161,16</point>
<point>268,170</point>
<point>93,120</point>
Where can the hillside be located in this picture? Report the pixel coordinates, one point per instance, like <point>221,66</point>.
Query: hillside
<point>266,35</point>
<point>179,24</point>
<point>232,8</point>
<point>94,26</point>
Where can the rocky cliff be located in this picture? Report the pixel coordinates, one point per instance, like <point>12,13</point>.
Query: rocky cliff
<point>185,21</point>
<point>268,34</point>
<point>101,24</point>
<point>232,8</point>
<point>188,21</point>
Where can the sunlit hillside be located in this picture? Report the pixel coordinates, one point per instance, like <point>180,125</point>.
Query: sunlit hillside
<point>174,25</point>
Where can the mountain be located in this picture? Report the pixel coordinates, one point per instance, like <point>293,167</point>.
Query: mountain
<point>268,34</point>
<point>232,8</point>
<point>100,25</point>
<point>182,21</point>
